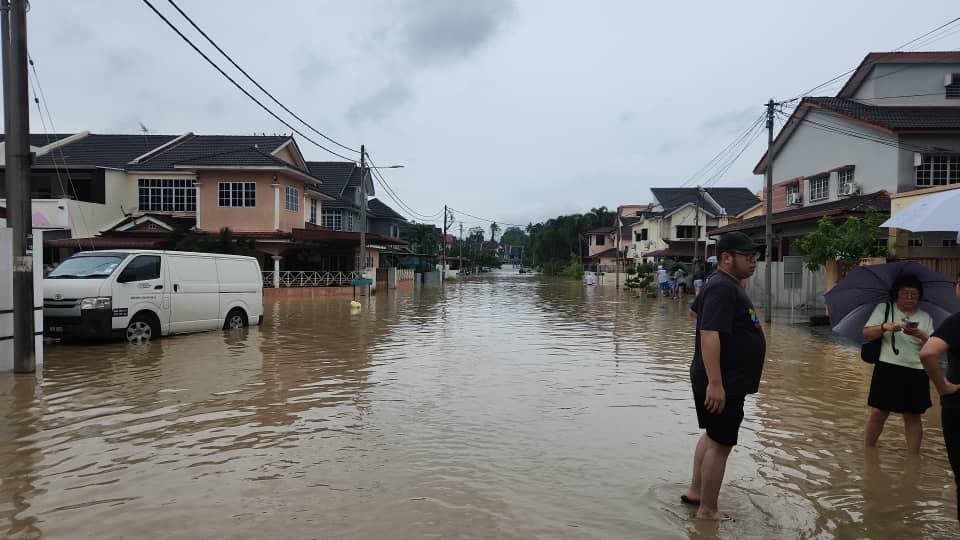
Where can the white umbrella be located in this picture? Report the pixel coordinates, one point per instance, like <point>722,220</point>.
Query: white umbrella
<point>938,212</point>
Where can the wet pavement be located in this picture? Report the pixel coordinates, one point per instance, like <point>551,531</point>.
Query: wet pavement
<point>507,406</point>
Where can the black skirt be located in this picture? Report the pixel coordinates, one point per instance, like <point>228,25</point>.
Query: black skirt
<point>899,389</point>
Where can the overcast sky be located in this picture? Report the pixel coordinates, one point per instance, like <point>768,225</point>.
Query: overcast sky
<point>512,110</point>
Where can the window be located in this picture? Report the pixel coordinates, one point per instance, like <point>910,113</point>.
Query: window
<point>952,242</point>
<point>819,187</point>
<point>953,89</point>
<point>600,240</point>
<point>939,170</point>
<point>313,211</point>
<point>844,177</point>
<point>793,189</point>
<point>350,221</point>
<point>687,231</point>
<point>644,234</point>
<point>292,199</point>
<point>394,231</point>
<point>237,194</point>
<point>167,195</point>
<point>332,219</point>
<point>142,268</point>
<point>915,241</point>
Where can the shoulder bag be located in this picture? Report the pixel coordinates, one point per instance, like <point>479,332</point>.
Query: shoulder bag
<point>870,351</point>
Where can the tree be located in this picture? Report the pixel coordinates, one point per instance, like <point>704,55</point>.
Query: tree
<point>423,239</point>
<point>846,244</point>
<point>513,236</point>
<point>494,229</point>
<point>475,235</point>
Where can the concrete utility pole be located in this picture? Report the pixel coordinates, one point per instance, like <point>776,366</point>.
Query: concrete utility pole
<point>696,228</point>
<point>616,267</point>
<point>443,242</point>
<point>460,265</point>
<point>16,109</point>
<point>363,211</point>
<point>768,255</point>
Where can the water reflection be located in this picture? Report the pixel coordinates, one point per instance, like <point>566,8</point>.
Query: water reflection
<point>505,406</point>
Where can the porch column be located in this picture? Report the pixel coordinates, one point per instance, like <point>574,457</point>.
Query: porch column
<point>196,190</point>
<point>306,206</point>
<point>276,205</point>
<point>276,271</point>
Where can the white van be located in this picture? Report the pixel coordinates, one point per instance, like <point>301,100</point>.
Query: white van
<point>145,294</point>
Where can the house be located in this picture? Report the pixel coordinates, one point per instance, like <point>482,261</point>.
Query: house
<point>601,250</point>
<point>677,222</point>
<point>938,250</point>
<point>99,191</point>
<point>893,127</point>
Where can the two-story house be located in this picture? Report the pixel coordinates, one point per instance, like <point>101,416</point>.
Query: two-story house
<point>677,222</point>
<point>601,249</point>
<point>892,128</point>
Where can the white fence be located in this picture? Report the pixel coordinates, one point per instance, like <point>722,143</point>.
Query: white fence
<point>405,274</point>
<point>310,279</point>
<point>810,294</point>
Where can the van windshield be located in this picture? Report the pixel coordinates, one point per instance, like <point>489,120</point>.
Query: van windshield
<point>89,266</point>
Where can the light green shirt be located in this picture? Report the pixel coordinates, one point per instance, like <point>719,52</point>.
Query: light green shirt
<point>908,346</point>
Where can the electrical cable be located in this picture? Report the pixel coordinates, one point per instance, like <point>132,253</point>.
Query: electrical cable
<point>236,84</point>
<point>725,152</point>
<point>251,79</point>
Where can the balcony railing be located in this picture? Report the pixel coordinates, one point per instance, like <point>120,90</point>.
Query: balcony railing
<point>331,278</point>
<point>404,274</point>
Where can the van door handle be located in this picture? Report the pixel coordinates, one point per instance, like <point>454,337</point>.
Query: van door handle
<point>157,287</point>
<point>176,287</point>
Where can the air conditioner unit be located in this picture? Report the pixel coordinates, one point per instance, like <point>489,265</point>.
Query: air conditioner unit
<point>794,199</point>
<point>850,188</point>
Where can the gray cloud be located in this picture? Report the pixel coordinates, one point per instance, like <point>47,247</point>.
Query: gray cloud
<point>313,69</point>
<point>381,104</point>
<point>731,120</point>
<point>441,31</point>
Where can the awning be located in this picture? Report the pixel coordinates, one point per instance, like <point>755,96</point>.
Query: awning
<point>106,242</point>
<point>327,235</point>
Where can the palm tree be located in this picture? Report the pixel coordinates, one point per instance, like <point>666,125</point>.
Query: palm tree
<point>494,229</point>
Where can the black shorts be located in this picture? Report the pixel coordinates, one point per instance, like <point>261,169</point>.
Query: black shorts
<point>724,427</point>
<point>899,389</point>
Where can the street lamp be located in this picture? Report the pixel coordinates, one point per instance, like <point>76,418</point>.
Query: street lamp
<point>363,207</point>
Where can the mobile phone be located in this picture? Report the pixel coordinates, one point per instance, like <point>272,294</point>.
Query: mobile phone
<point>911,324</point>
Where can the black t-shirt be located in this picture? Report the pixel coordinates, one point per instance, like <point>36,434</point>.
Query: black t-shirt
<point>724,306</point>
<point>949,331</point>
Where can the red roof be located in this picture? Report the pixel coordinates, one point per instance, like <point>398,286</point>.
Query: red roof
<point>107,242</point>
<point>327,235</point>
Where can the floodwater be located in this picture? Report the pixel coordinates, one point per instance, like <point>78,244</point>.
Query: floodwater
<point>504,407</point>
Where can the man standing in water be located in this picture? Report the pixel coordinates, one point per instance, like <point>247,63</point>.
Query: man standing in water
<point>727,363</point>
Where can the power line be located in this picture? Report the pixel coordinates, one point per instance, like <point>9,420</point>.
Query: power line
<point>251,79</point>
<point>725,152</point>
<point>927,34</point>
<point>235,83</point>
<point>486,219</point>
<point>840,130</point>
<point>393,194</point>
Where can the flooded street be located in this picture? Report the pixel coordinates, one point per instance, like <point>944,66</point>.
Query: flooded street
<point>507,406</point>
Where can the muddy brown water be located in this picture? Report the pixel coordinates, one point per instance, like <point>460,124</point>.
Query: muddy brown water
<point>505,407</point>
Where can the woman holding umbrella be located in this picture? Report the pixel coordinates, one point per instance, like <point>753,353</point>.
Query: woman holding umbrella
<point>899,383</point>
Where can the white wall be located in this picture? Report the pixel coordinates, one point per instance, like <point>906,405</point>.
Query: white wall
<point>812,150</point>
<point>888,80</point>
<point>814,285</point>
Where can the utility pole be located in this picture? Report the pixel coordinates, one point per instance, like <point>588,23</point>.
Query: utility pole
<point>461,248</point>
<point>768,255</point>
<point>363,212</point>
<point>696,228</point>
<point>16,109</point>
<point>443,242</point>
<point>616,266</point>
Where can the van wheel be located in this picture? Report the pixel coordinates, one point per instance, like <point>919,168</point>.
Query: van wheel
<point>141,328</point>
<point>236,319</point>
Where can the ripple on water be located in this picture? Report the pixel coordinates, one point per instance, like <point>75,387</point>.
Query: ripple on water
<point>505,406</point>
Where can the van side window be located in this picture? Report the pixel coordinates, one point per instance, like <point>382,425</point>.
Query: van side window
<point>142,268</point>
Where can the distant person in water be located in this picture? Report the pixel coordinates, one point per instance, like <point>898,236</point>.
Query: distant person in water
<point>664,280</point>
<point>727,364</point>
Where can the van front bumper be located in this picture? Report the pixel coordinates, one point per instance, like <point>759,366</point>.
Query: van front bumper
<point>91,324</point>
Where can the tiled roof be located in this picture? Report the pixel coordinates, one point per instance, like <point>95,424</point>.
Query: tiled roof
<point>250,156</point>
<point>335,175</point>
<point>112,151</point>
<point>852,205</point>
<point>382,210</point>
<point>599,230</point>
<point>734,200</point>
<point>41,139</point>
<point>891,117</point>
<point>197,146</point>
